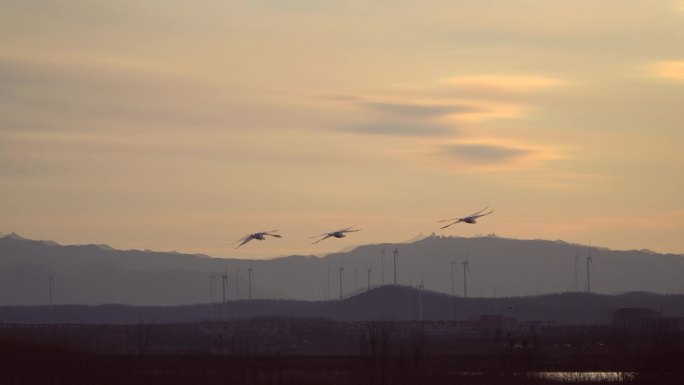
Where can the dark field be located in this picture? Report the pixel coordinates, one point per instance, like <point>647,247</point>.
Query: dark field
<point>313,351</point>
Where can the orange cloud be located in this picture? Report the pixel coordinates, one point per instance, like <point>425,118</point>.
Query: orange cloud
<point>669,70</point>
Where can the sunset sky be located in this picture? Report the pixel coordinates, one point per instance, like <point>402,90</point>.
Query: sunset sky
<point>184,125</point>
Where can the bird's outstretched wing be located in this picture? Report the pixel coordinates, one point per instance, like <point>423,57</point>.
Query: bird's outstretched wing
<point>245,240</point>
<point>453,223</point>
<point>319,235</point>
<point>449,220</point>
<point>482,215</point>
<point>274,235</point>
<point>349,229</point>
<point>475,214</point>
<point>326,237</point>
<point>242,239</point>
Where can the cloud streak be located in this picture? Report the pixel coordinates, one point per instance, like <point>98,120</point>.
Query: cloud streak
<point>421,110</point>
<point>487,154</point>
<point>398,128</point>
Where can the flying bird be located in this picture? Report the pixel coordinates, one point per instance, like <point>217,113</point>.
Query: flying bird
<point>337,234</point>
<point>258,236</point>
<point>472,218</point>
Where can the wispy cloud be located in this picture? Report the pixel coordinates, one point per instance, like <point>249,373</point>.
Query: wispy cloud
<point>407,118</point>
<point>421,110</point>
<point>399,128</point>
<point>485,153</point>
<point>673,70</point>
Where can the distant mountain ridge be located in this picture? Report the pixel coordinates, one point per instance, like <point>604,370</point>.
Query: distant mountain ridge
<point>389,302</point>
<point>99,274</point>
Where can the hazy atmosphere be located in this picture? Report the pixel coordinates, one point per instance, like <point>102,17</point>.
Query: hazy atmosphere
<point>173,125</point>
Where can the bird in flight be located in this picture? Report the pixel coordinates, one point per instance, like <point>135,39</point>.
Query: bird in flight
<point>258,236</point>
<point>472,218</point>
<point>337,234</point>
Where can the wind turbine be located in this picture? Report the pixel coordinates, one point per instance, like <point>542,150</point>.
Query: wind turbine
<point>396,259</point>
<point>420,298</point>
<point>589,263</point>
<point>341,276</point>
<point>237,283</point>
<point>576,267</point>
<point>224,287</point>
<point>327,293</point>
<point>212,278</point>
<point>453,289</point>
<point>466,267</point>
<point>250,272</point>
<point>369,277</point>
<point>382,267</point>
<point>50,280</point>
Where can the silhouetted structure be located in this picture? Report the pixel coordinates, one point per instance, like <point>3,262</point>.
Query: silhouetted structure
<point>250,274</point>
<point>589,263</point>
<point>396,259</point>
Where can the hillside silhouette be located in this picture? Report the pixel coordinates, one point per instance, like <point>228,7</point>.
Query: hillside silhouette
<point>390,302</point>
<point>500,267</point>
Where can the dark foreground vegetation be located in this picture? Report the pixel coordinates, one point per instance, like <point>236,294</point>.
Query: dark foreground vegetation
<point>311,351</point>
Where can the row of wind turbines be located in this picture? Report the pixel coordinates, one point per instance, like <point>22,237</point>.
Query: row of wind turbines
<point>467,275</point>
<point>470,219</point>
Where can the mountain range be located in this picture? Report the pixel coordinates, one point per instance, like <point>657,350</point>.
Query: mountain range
<point>498,267</point>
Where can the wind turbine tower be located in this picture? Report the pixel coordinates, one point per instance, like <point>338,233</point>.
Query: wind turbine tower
<point>224,287</point>
<point>396,259</point>
<point>420,298</point>
<point>50,281</point>
<point>327,293</point>
<point>249,275</point>
<point>453,289</point>
<point>589,263</point>
<point>576,268</point>
<point>382,267</point>
<point>341,277</point>
<point>369,277</point>
<point>212,278</point>
<point>466,267</point>
<point>237,283</point>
